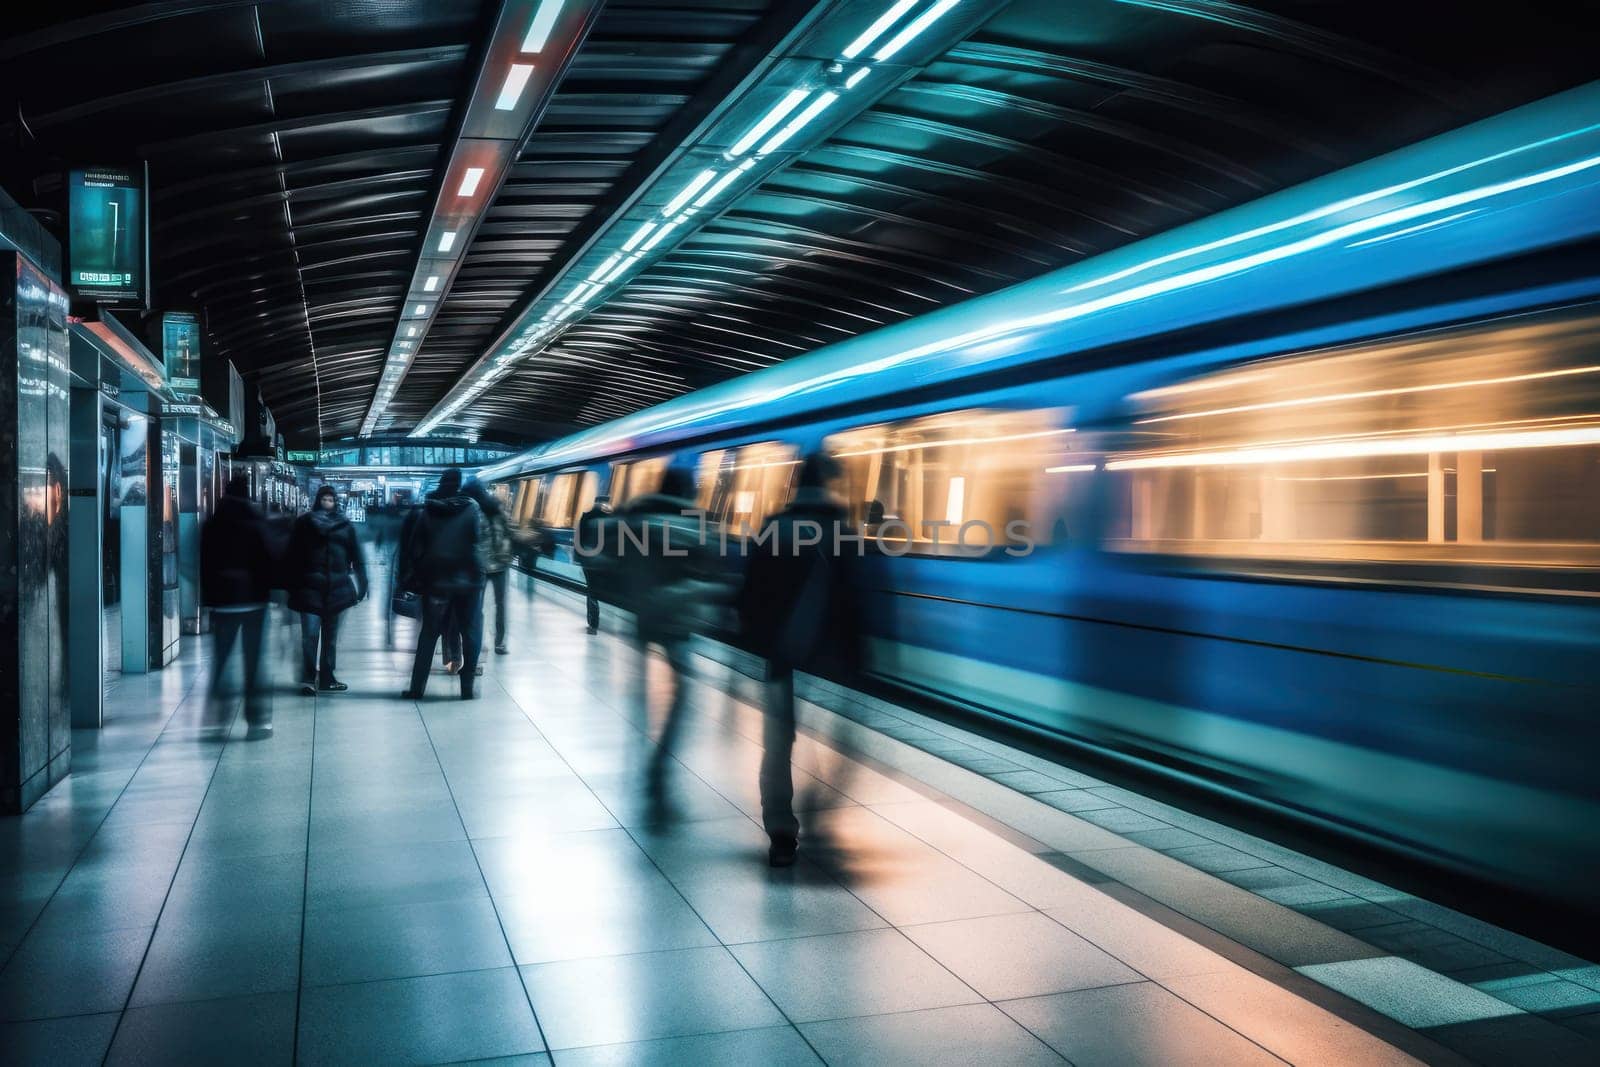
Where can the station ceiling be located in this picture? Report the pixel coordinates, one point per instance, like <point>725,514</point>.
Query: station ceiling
<point>297,148</point>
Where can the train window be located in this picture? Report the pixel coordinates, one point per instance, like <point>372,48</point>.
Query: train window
<point>921,480</point>
<point>557,507</point>
<point>588,489</point>
<point>1469,446</point>
<point>637,477</point>
<point>742,487</point>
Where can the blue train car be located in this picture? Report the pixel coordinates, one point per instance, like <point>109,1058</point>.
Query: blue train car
<point>1301,501</point>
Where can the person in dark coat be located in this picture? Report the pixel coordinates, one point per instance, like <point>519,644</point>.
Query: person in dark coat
<point>671,585</point>
<point>590,537</point>
<point>236,572</point>
<point>799,610</point>
<point>326,575</point>
<point>445,563</point>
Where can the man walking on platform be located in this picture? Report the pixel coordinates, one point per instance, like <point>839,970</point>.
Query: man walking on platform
<point>444,562</point>
<point>798,609</point>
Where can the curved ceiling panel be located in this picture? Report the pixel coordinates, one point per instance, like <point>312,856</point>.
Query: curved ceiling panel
<point>295,150</point>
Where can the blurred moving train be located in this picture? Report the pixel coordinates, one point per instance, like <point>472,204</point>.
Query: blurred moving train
<point>1314,484</point>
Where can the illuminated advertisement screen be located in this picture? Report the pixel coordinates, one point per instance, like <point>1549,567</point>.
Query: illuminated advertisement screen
<point>180,349</point>
<point>106,229</point>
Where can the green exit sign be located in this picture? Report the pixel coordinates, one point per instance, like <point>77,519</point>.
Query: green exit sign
<point>302,457</point>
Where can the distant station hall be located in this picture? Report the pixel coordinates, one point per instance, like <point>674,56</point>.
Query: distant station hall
<point>786,532</point>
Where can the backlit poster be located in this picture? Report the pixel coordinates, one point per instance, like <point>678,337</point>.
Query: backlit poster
<point>180,350</point>
<point>106,255</point>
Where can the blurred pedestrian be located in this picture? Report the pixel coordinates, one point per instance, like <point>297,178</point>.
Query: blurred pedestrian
<point>798,610</point>
<point>499,551</point>
<point>236,583</point>
<point>326,576</point>
<point>446,564</point>
<point>590,537</point>
<point>672,587</point>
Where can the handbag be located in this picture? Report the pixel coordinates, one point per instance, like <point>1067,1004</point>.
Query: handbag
<point>406,604</point>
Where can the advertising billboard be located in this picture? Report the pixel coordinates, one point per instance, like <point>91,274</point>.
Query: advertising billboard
<point>180,350</point>
<point>107,253</point>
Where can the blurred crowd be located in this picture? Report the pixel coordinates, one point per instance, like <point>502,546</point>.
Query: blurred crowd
<point>791,601</point>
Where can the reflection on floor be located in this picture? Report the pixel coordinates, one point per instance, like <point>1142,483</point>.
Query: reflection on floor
<point>394,882</point>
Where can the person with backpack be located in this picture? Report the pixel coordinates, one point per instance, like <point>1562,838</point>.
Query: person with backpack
<point>236,573</point>
<point>444,557</point>
<point>798,609</point>
<point>326,576</point>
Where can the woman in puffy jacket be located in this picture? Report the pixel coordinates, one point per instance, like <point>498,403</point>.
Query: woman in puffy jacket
<point>326,575</point>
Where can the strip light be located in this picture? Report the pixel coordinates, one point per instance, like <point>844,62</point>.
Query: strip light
<point>431,284</point>
<point>874,31</point>
<point>469,181</point>
<point>447,240</point>
<point>544,20</point>
<point>688,191</point>
<point>812,110</point>
<point>913,29</point>
<point>769,120</point>
<point>722,183</point>
<point>516,81</point>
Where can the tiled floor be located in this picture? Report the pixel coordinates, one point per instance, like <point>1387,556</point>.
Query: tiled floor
<point>394,882</point>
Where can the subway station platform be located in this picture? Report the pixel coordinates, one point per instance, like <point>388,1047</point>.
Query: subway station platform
<point>394,882</point>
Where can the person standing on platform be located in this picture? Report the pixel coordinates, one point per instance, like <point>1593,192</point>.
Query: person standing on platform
<point>446,564</point>
<point>326,576</point>
<point>236,584</point>
<point>798,610</point>
<point>590,534</point>
<point>499,550</point>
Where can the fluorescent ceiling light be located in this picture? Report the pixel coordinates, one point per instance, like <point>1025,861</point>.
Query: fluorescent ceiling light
<point>913,28</point>
<point>431,284</point>
<point>411,331</point>
<point>769,120</point>
<point>656,237</point>
<point>872,32</point>
<point>420,309</point>
<point>638,235</point>
<point>723,183</point>
<point>812,110</point>
<point>603,269</point>
<point>544,20</point>
<point>447,240</point>
<point>855,79</point>
<point>469,181</point>
<point>688,191</point>
<point>516,81</point>
<point>620,268</point>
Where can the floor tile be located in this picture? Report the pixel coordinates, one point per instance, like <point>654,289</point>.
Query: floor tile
<point>565,920</point>
<point>771,1047</point>
<point>64,1042</point>
<point>840,975</point>
<point>71,973</point>
<point>245,1030</point>
<point>1131,1025</point>
<point>1408,993</point>
<point>940,1037</point>
<point>1009,956</point>
<point>393,874</point>
<point>402,941</point>
<point>243,953</point>
<point>761,904</point>
<point>621,999</point>
<point>465,1016</point>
